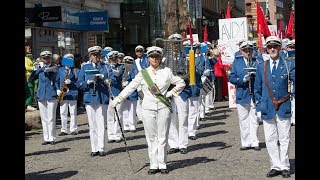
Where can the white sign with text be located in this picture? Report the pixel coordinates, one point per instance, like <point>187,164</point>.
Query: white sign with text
<point>233,28</point>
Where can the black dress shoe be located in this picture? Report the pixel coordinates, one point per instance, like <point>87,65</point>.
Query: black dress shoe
<point>94,154</point>
<point>285,173</point>
<point>153,171</point>
<point>183,151</point>
<point>139,122</point>
<point>164,171</point>
<point>244,148</point>
<point>173,150</point>
<point>52,143</point>
<point>74,133</point>
<point>62,134</point>
<point>192,137</point>
<point>119,140</point>
<point>257,148</point>
<point>102,153</point>
<point>111,141</point>
<point>273,173</point>
<point>45,143</point>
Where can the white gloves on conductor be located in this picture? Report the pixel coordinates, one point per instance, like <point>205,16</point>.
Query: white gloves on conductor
<point>89,81</point>
<point>113,103</point>
<point>206,72</point>
<point>67,81</point>
<point>58,92</point>
<point>125,83</point>
<point>169,94</point>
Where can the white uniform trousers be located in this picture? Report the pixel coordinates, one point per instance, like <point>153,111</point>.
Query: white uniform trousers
<point>278,129</point>
<point>129,115</point>
<point>72,105</point>
<point>48,110</point>
<point>139,109</point>
<point>156,127</point>
<point>204,103</point>
<point>293,110</point>
<point>114,132</point>
<point>96,117</point>
<point>194,115</point>
<point>179,114</point>
<point>248,122</point>
<point>210,99</point>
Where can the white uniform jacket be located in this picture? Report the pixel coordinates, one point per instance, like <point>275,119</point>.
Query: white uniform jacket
<point>162,77</point>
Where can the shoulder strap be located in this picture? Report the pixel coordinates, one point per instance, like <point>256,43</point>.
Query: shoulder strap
<point>153,88</point>
<point>274,100</point>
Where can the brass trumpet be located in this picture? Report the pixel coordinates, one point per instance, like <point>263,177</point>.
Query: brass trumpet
<point>64,87</point>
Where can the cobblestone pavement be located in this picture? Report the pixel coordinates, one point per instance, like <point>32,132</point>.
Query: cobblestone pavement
<point>214,155</point>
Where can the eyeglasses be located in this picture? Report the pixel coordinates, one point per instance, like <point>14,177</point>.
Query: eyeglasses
<point>46,57</point>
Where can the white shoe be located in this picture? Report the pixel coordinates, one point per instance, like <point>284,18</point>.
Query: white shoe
<point>30,108</point>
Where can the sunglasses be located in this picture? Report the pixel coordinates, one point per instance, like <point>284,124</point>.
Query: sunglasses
<point>272,46</point>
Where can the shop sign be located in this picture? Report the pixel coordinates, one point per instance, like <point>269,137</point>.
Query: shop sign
<point>42,14</point>
<point>82,21</point>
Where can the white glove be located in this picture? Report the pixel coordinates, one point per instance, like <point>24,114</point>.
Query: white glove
<point>125,83</point>
<point>253,72</point>
<point>115,72</point>
<point>203,79</point>
<point>89,81</point>
<point>169,94</point>
<point>67,81</point>
<point>49,69</point>
<point>206,72</point>
<point>259,114</point>
<point>58,92</point>
<point>99,76</point>
<point>114,103</point>
<point>246,78</point>
<point>107,81</point>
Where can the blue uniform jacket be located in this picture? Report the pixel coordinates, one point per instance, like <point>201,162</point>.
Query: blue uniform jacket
<point>236,78</point>
<point>46,85</point>
<point>73,88</point>
<point>102,92</point>
<point>134,95</point>
<point>279,87</point>
<point>115,78</point>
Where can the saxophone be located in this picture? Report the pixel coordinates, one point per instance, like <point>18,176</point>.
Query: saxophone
<point>64,87</point>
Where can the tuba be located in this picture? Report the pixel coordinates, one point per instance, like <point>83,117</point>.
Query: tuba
<point>64,87</point>
<point>174,52</point>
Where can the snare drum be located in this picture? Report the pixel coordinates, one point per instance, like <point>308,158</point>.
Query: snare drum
<point>207,85</point>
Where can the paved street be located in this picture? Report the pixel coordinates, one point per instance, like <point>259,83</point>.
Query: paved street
<point>214,155</point>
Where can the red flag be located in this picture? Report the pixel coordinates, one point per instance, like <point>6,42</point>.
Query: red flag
<point>205,33</point>
<point>289,32</point>
<point>261,20</point>
<point>190,32</point>
<point>228,15</point>
<point>259,37</point>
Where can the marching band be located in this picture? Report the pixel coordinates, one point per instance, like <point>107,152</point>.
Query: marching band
<point>119,91</point>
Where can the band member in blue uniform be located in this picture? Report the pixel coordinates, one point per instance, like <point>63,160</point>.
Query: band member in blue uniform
<point>272,94</point>
<point>243,79</point>
<point>47,97</point>
<point>67,92</point>
<point>91,81</point>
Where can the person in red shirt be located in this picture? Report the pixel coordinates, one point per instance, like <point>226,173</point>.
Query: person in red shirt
<point>218,73</point>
